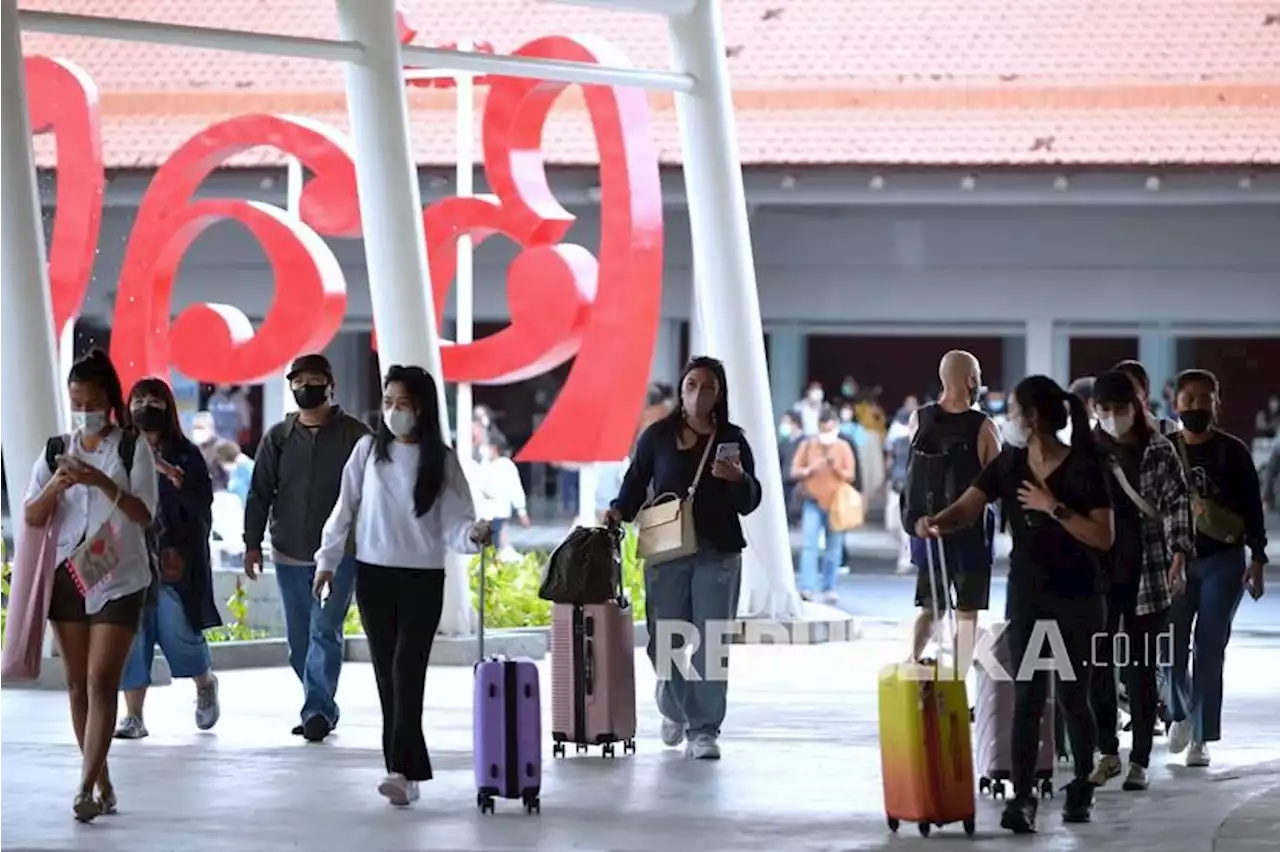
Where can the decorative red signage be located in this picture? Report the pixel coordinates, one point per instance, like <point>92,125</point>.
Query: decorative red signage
<point>565,302</point>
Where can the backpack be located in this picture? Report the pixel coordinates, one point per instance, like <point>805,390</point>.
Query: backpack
<point>943,462</point>
<point>281,434</point>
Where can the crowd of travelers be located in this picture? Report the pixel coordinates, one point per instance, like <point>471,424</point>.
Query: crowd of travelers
<point>1121,522</point>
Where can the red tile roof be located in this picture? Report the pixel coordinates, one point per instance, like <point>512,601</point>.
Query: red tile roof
<point>918,82</point>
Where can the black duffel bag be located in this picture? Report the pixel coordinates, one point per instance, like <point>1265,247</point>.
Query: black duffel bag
<point>585,568</point>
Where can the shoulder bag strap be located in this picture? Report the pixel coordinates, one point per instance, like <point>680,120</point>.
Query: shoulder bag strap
<point>702,465</point>
<point>1143,506</point>
<point>1186,465</point>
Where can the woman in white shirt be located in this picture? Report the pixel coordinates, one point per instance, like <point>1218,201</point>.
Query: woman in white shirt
<point>406,494</point>
<point>499,490</point>
<point>99,479</point>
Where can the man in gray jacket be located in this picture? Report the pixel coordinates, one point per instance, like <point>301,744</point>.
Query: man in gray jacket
<point>297,475</point>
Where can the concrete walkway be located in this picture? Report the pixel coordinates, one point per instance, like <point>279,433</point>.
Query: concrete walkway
<point>800,772</point>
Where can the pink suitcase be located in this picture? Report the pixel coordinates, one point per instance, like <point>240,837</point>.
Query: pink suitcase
<point>593,677</point>
<point>993,722</point>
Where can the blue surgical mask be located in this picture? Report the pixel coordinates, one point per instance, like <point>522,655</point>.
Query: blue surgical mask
<point>89,422</point>
<point>996,405</point>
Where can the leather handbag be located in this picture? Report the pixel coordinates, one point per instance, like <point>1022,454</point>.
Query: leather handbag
<point>664,525</point>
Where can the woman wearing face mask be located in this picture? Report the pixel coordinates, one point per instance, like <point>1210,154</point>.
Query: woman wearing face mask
<point>701,589</point>
<point>183,607</point>
<point>406,494</point>
<point>499,491</point>
<point>1231,552</point>
<point>823,464</point>
<point>1147,564</point>
<point>98,485</point>
<point>1059,508</point>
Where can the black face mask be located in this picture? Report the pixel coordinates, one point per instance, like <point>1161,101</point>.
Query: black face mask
<point>150,418</point>
<point>1197,420</point>
<point>311,396</point>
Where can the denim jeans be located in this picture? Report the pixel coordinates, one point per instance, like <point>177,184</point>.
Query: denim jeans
<point>813,522</point>
<point>185,649</point>
<point>314,632</point>
<point>1201,618</point>
<point>695,590</point>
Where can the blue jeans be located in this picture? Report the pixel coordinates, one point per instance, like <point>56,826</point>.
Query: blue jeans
<point>813,522</point>
<point>1201,618</point>
<point>314,632</point>
<point>185,649</point>
<point>696,590</point>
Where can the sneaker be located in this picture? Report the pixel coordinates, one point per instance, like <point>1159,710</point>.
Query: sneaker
<point>1179,737</point>
<point>1020,815</point>
<point>208,710</point>
<point>672,732</point>
<point>806,596</point>
<point>131,728</point>
<point>296,730</point>
<point>703,747</point>
<point>830,598</point>
<point>1108,767</point>
<point>315,729</point>
<point>398,790</point>
<point>1079,804</point>
<point>1136,779</point>
<point>1198,755</point>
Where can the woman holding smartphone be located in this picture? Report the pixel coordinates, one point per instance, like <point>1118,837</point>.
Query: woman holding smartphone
<point>700,589</point>
<point>98,484</point>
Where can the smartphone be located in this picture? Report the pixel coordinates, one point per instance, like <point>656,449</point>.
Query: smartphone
<point>66,461</point>
<point>728,450</point>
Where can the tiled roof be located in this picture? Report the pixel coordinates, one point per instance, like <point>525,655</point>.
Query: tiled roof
<point>985,82</point>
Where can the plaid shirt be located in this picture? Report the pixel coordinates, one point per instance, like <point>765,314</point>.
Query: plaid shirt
<point>1163,484</point>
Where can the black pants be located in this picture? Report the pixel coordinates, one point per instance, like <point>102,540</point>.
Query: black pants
<point>1136,657</point>
<point>1076,622</point>
<point>400,609</point>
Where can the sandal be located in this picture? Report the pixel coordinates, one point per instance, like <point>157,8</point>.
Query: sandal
<point>107,803</point>
<point>86,807</point>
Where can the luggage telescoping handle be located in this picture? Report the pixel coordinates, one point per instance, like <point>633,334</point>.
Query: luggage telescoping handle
<point>939,577</point>
<point>484,565</point>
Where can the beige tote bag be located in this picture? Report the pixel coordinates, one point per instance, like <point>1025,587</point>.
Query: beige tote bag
<point>665,523</point>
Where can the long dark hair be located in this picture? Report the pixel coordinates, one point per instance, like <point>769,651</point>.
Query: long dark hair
<point>431,446</point>
<point>1051,404</point>
<point>720,411</point>
<point>96,369</point>
<point>1117,388</point>
<point>171,433</point>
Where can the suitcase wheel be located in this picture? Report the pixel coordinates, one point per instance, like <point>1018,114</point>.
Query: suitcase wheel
<point>925,828</point>
<point>532,803</point>
<point>999,790</point>
<point>984,786</point>
<point>607,750</point>
<point>484,802</point>
<point>1046,788</point>
<point>893,823</point>
<point>557,750</point>
<point>582,748</point>
<point>970,826</point>
<point>629,747</point>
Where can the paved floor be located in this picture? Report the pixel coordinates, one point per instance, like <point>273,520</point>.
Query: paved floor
<point>801,772</point>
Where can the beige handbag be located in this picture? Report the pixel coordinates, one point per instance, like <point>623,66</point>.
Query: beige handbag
<point>665,524</point>
<point>848,510</point>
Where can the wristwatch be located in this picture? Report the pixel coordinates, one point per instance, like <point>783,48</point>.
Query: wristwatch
<point>1060,512</point>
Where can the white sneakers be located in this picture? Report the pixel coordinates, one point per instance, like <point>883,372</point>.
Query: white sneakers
<point>399,790</point>
<point>1198,755</point>
<point>672,732</point>
<point>1136,780</point>
<point>703,747</point>
<point>1108,767</point>
<point>1180,741</point>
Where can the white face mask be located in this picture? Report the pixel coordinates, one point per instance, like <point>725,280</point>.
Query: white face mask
<point>815,395</point>
<point>1015,433</point>
<point>89,422</point>
<point>829,437</point>
<point>1117,425</point>
<point>400,422</point>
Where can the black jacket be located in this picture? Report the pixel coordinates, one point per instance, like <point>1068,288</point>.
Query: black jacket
<point>183,523</point>
<point>297,474</point>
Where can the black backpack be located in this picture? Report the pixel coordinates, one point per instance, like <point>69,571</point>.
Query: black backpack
<point>944,462</point>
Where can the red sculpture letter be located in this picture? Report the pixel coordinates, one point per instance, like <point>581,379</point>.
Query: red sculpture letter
<point>213,342</point>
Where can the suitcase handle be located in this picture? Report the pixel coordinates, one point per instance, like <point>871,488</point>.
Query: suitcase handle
<point>484,565</point>
<point>952,623</point>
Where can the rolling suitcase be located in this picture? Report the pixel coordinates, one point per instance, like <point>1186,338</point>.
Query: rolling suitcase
<point>993,722</point>
<point>926,758</point>
<point>593,677</point>
<point>508,725</point>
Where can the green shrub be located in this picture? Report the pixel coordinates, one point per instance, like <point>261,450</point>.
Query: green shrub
<point>5,571</point>
<point>237,629</point>
<point>351,624</point>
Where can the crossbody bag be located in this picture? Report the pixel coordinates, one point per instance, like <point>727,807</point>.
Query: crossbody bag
<point>665,524</point>
<point>1212,519</point>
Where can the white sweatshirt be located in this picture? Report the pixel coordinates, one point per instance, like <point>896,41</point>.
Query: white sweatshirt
<point>499,491</point>
<point>378,498</point>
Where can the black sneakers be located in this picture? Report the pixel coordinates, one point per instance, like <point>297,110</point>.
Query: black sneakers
<point>315,729</point>
<point>1020,815</point>
<point>1079,802</point>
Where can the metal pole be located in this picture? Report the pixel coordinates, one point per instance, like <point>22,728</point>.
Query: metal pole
<point>726,295</point>
<point>464,319</point>
<point>27,340</point>
<point>293,181</point>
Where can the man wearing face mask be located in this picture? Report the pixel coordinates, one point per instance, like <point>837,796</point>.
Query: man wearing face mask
<point>951,442</point>
<point>297,476</point>
<point>809,409</point>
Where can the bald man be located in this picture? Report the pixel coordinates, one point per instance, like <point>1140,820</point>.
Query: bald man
<point>951,442</point>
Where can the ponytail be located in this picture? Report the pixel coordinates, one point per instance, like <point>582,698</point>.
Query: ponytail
<point>1081,429</point>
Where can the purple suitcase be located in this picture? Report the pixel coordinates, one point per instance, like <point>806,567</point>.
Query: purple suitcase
<point>508,726</point>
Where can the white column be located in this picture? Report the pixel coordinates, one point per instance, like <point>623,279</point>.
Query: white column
<point>1042,350</point>
<point>727,300</point>
<point>391,217</point>
<point>294,180</point>
<point>465,284</point>
<point>27,342</point>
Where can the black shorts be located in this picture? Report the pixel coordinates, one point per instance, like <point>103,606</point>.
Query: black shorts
<point>67,604</point>
<point>971,586</point>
